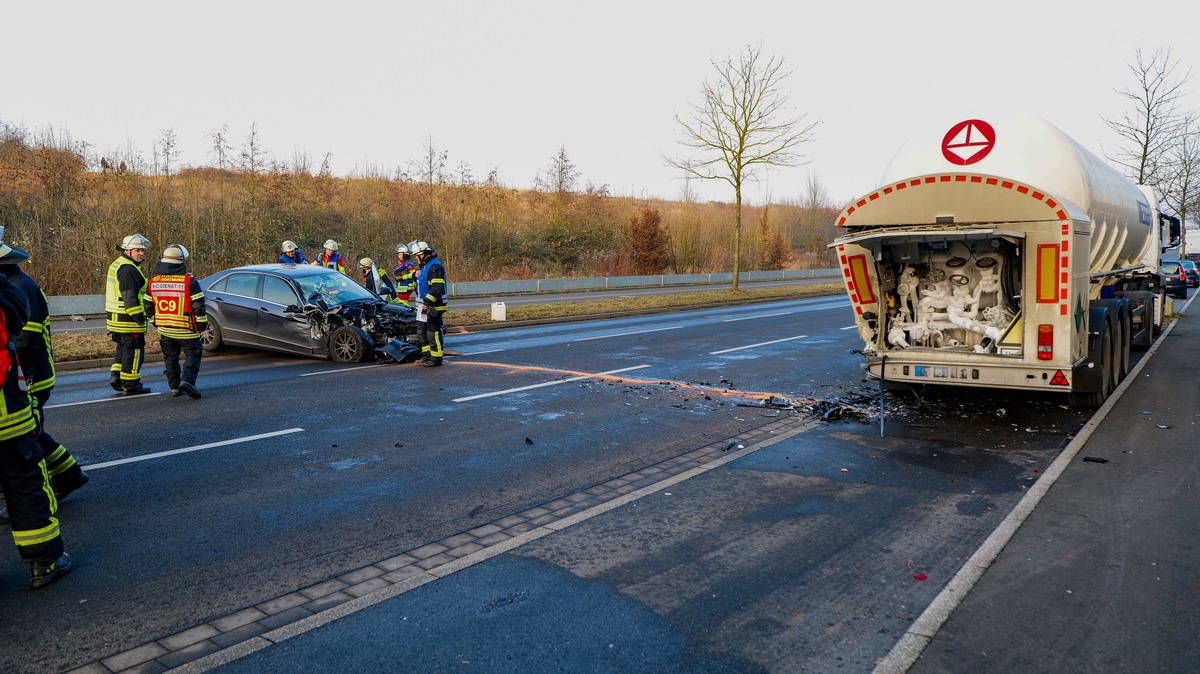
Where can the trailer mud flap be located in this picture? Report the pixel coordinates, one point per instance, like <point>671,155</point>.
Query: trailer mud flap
<point>1088,376</point>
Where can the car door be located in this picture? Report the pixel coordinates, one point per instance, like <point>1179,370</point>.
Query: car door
<point>278,328</point>
<point>234,303</point>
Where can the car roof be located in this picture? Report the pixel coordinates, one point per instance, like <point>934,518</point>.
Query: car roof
<point>291,270</point>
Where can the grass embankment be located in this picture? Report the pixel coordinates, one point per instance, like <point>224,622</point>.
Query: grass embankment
<point>90,345</point>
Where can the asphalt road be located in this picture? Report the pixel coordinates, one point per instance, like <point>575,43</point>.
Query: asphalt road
<point>801,554</point>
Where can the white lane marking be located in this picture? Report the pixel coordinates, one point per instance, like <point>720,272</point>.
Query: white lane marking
<point>345,369</point>
<point>549,383</point>
<point>194,448</point>
<point>480,353</point>
<point>848,327</point>
<point>104,400</point>
<point>751,346</point>
<point>626,334</point>
<point>749,318</point>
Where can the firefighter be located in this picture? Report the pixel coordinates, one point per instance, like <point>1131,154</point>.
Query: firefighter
<point>405,274</point>
<point>376,281</point>
<point>37,362</point>
<point>124,289</point>
<point>175,303</point>
<point>330,257</point>
<point>431,293</point>
<point>31,501</point>
<point>291,254</point>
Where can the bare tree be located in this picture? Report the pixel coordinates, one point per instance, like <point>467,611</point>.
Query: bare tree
<point>220,146</point>
<point>252,159</point>
<point>1151,125</point>
<point>168,145</point>
<point>743,123</point>
<point>559,178</point>
<point>430,169</point>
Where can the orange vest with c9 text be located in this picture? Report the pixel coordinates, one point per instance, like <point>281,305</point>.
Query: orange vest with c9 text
<point>173,305</point>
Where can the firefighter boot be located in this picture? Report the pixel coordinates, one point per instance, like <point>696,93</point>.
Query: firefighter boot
<point>135,388</point>
<point>114,380</point>
<point>3,512</point>
<point>432,362</point>
<point>64,487</point>
<point>42,574</point>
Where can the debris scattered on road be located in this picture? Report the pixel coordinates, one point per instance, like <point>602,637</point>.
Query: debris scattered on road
<point>919,576</point>
<point>77,318</point>
<point>731,445</point>
<point>1164,425</point>
<point>1095,459</point>
<point>528,441</point>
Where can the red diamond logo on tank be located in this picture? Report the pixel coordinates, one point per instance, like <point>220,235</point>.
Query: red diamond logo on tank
<point>968,141</point>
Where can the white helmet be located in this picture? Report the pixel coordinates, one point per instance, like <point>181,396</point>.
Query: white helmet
<point>403,249</point>
<point>331,245</point>
<point>175,253</point>
<point>366,262</point>
<point>135,241</point>
<point>289,246</point>
<point>420,247</point>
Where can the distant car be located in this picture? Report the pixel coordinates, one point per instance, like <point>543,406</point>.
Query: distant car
<point>306,310</point>
<point>1192,273</point>
<point>1174,279</point>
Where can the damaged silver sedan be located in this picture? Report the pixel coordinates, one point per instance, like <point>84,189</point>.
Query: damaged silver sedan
<point>306,310</point>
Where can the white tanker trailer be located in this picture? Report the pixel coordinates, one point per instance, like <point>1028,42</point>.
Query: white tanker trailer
<point>998,252</point>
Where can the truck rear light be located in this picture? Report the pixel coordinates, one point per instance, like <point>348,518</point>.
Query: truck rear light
<point>1045,343</point>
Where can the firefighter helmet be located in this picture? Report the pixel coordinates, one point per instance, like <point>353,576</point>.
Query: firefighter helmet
<point>331,245</point>
<point>420,247</point>
<point>366,263</point>
<point>402,249</point>
<point>289,246</point>
<point>175,253</point>
<point>135,241</point>
<point>10,254</point>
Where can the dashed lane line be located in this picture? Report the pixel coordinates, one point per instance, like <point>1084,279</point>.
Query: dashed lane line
<point>549,383</point>
<point>751,346</point>
<point>750,318</point>
<point>103,400</point>
<point>626,334</point>
<point>193,448</point>
<point>345,369</point>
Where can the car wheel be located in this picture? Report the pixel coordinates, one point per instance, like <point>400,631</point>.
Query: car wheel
<point>210,339</point>
<point>348,344</point>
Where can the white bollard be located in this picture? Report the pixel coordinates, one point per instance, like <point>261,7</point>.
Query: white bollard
<point>499,311</point>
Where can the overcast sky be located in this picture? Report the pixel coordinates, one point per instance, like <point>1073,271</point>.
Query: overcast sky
<point>504,85</point>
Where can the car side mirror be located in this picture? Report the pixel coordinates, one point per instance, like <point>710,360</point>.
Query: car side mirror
<point>291,309</point>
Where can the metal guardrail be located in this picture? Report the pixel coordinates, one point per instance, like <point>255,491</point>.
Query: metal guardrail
<point>83,305</point>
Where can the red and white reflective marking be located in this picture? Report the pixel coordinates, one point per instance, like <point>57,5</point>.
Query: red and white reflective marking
<point>989,181</point>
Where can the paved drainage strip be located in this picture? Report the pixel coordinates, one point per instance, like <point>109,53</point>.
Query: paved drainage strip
<point>230,637</point>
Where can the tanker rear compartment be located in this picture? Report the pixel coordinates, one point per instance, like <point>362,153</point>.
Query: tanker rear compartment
<point>953,295</point>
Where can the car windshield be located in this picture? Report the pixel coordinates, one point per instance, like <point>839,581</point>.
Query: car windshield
<point>1188,264</point>
<point>333,287</point>
<point>1170,267</point>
